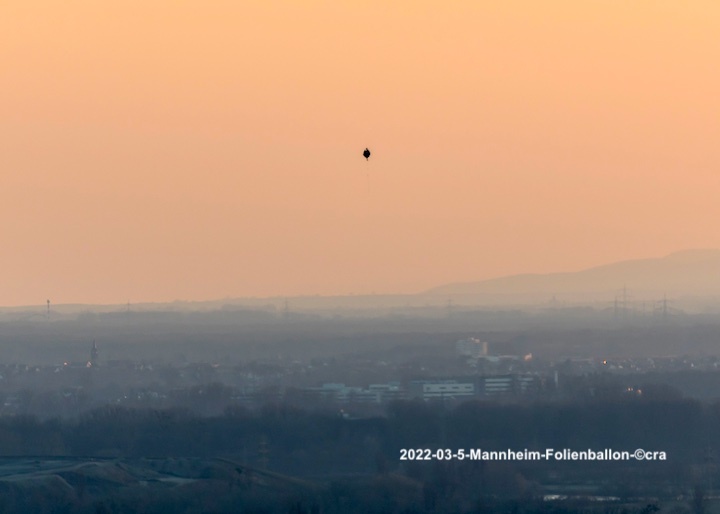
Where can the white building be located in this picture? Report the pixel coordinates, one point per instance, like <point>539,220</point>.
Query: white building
<point>427,389</point>
<point>472,347</point>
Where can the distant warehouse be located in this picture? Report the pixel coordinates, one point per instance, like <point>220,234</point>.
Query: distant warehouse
<point>488,386</point>
<point>441,389</point>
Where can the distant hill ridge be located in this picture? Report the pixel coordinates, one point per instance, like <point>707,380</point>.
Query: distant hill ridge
<point>686,272</point>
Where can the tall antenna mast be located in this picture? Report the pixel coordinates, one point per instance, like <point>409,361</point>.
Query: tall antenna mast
<point>624,301</point>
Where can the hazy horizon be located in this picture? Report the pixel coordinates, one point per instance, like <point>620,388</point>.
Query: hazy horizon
<point>682,272</point>
<point>162,151</point>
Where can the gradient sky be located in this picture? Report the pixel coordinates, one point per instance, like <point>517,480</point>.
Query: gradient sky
<point>154,150</point>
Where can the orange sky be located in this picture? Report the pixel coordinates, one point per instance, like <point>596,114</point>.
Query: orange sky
<point>168,149</point>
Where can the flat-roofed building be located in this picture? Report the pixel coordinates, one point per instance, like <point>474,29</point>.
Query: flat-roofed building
<point>427,389</point>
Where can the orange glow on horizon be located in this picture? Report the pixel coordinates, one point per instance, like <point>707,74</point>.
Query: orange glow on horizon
<point>167,150</point>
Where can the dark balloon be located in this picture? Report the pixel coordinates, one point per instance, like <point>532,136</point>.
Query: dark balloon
<point>366,154</point>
